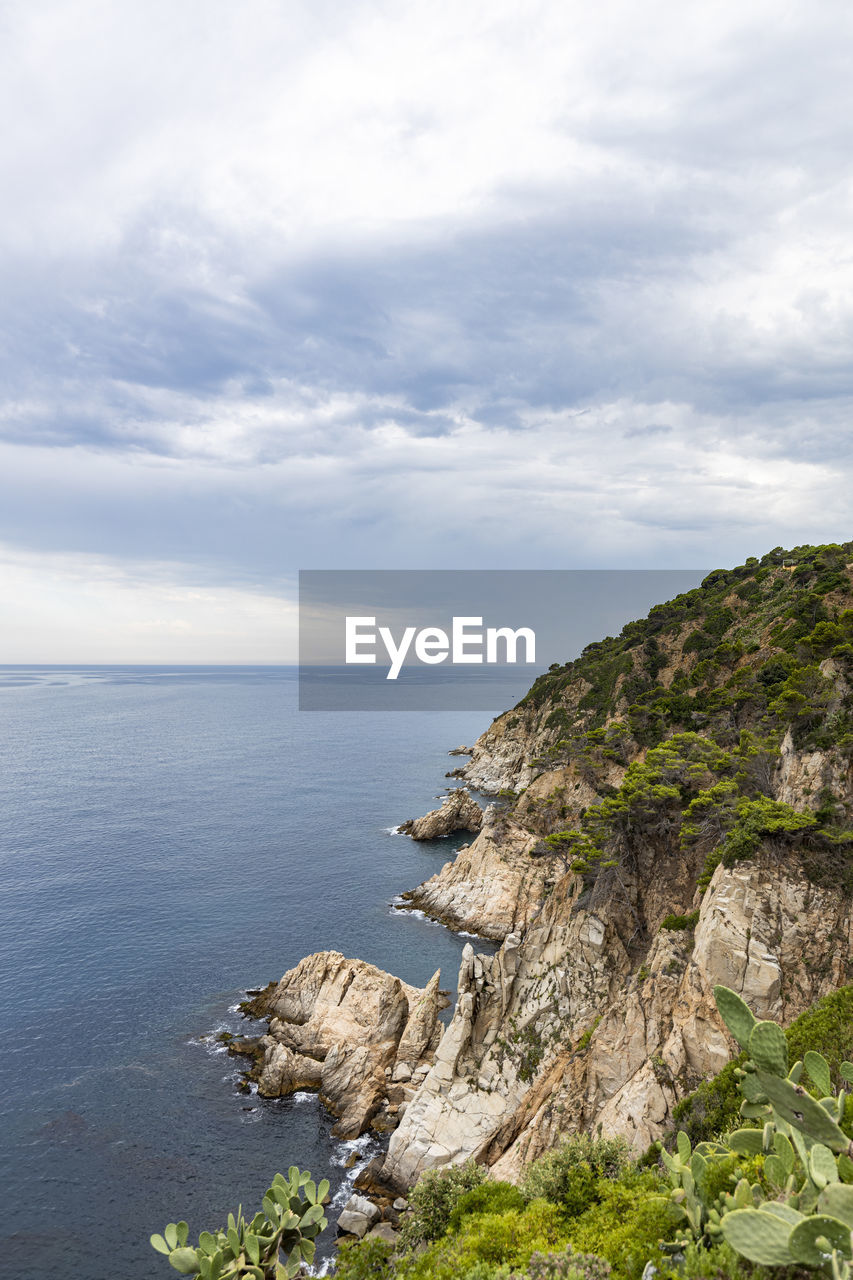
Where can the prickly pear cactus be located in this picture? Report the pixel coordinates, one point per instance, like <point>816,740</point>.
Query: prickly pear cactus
<point>292,1217</point>
<point>807,1157</point>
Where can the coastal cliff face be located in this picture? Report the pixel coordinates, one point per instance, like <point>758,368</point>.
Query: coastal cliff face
<point>683,798</point>
<point>673,810</point>
<point>562,1031</point>
<point>492,887</point>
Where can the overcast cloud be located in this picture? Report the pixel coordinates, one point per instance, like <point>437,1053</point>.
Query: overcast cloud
<point>418,285</point>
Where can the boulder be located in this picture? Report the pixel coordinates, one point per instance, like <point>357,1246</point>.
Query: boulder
<point>343,1026</point>
<point>384,1231</point>
<point>284,1071</point>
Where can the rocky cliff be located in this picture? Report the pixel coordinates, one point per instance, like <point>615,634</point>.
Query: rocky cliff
<point>680,814</point>
<point>674,810</point>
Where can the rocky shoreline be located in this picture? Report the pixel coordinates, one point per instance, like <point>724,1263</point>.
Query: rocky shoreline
<point>596,1012</point>
<point>362,1038</point>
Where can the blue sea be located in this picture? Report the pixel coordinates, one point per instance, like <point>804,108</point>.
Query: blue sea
<point>170,838</point>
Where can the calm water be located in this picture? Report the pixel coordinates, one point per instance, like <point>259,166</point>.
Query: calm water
<point>169,838</point>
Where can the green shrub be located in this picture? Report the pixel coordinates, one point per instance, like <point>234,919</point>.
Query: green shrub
<point>485,1271</point>
<point>364,1260</point>
<point>566,1266</point>
<point>826,1028</point>
<point>624,1227</point>
<point>489,1197</point>
<point>434,1198</point>
<point>713,1107</point>
<point>553,1176</point>
<point>687,923</point>
<point>489,1239</point>
<point>719,1262</point>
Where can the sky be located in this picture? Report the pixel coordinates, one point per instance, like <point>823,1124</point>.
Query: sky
<point>411,285</point>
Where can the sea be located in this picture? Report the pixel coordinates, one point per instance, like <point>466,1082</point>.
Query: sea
<point>169,839</point>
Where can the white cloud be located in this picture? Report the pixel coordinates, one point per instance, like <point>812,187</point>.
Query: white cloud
<point>68,608</point>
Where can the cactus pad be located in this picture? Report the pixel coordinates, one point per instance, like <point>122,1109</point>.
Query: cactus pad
<point>760,1237</point>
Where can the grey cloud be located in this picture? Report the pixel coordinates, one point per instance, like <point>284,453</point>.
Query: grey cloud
<point>651,429</point>
<point>240,401</point>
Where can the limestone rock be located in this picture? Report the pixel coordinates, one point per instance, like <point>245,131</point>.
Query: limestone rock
<point>499,759</point>
<point>358,1216</point>
<point>284,1071</point>
<point>459,812</point>
<point>353,1085</point>
<point>361,1204</point>
<point>423,1030</point>
<point>491,888</point>
<point>342,1025</point>
<point>327,999</point>
<point>561,1030</point>
<point>384,1231</point>
<point>353,1224</point>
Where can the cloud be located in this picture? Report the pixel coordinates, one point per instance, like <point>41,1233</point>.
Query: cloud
<point>299,285</point>
<point>63,608</point>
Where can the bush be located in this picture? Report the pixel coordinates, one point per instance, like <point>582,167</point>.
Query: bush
<point>489,1197</point>
<point>566,1266</point>
<point>713,1107</point>
<point>484,1271</point>
<point>624,1227</point>
<point>489,1240</point>
<point>553,1176</point>
<point>434,1198</point>
<point>687,923</point>
<point>364,1260</point>
<point>719,1262</point>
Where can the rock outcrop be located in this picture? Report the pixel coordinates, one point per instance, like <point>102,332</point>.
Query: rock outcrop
<point>562,1031</point>
<point>358,1216</point>
<point>500,759</point>
<point>649,843</point>
<point>492,887</point>
<point>344,1027</point>
<point>459,812</point>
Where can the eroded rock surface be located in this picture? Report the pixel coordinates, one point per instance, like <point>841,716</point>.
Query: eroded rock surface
<point>459,811</point>
<point>343,1026</point>
<point>562,1031</point>
<point>492,887</point>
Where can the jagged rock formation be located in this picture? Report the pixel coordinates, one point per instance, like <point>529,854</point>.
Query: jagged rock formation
<point>598,1007</point>
<point>499,759</point>
<point>459,812</point>
<point>351,1030</point>
<point>677,813</point>
<point>563,1031</point>
<point>492,887</point>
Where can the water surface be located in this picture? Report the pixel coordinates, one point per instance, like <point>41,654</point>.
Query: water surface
<point>168,838</point>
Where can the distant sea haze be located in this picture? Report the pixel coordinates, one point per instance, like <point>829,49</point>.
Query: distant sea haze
<point>170,837</point>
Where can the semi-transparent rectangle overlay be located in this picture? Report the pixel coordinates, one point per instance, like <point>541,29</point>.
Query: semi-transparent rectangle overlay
<point>458,639</point>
